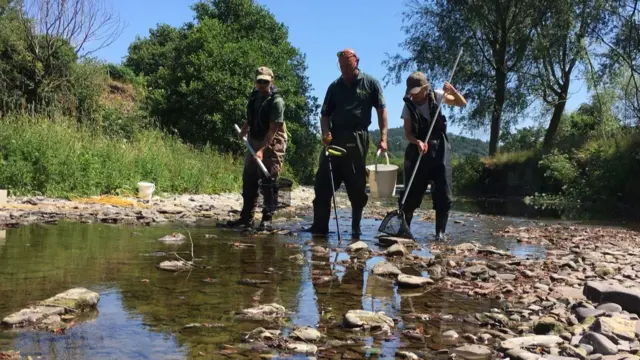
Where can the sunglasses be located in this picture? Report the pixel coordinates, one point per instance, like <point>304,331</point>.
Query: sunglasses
<point>346,54</point>
<point>263,82</point>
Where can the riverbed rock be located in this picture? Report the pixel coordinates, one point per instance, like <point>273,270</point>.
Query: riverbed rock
<point>360,318</point>
<point>410,281</point>
<point>520,354</point>
<point>406,355</point>
<point>391,240</point>
<point>261,333</point>
<point>600,343</point>
<point>618,326</point>
<point>357,246</point>
<point>263,312</point>
<point>302,348</point>
<point>307,333</point>
<point>435,271</point>
<point>72,300</point>
<point>583,312</point>
<point>473,352</point>
<point>173,238</point>
<point>397,250</point>
<point>385,269</point>
<point>599,291</point>
<point>610,308</point>
<point>535,340</point>
<point>76,299</point>
<point>31,316</point>
<point>548,325</point>
<point>174,265</point>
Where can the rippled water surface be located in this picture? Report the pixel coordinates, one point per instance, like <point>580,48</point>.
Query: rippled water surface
<point>143,311</point>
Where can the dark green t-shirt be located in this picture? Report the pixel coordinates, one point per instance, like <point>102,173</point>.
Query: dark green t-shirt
<point>276,111</point>
<point>349,106</point>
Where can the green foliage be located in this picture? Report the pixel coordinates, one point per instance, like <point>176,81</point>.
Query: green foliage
<point>461,146</point>
<point>527,138</point>
<point>466,175</point>
<point>201,75</point>
<point>123,74</point>
<point>495,36</point>
<point>559,170</point>
<point>58,159</point>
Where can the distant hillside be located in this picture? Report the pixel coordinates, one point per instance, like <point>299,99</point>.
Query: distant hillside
<point>461,146</point>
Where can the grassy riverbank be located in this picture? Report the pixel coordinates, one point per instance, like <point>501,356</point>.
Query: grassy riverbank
<point>60,158</point>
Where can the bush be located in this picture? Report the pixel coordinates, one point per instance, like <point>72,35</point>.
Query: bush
<point>59,159</point>
<point>467,174</point>
<point>559,170</point>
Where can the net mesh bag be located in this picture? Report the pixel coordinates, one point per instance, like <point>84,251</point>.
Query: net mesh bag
<point>277,192</point>
<point>395,224</point>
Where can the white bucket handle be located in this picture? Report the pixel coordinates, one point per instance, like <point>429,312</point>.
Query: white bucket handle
<point>377,155</point>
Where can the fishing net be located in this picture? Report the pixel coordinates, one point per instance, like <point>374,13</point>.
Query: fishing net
<point>395,224</point>
<point>278,193</point>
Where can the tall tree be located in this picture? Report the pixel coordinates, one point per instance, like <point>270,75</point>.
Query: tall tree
<point>495,35</point>
<point>201,75</point>
<point>560,47</point>
<point>621,61</point>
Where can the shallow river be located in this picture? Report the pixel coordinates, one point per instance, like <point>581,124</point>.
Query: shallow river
<point>143,311</point>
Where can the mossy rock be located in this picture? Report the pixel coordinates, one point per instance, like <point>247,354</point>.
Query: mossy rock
<point>548,325</point>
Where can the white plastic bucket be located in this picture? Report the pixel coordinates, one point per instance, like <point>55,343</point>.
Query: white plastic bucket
<point>382,179</point>
<point>145,190</point>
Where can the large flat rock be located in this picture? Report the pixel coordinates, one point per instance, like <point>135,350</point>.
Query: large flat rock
<point>526,341</point>
<point>77,299</point>
<point>610,292</point>
<point>31,316</point>
<point>73,300</point>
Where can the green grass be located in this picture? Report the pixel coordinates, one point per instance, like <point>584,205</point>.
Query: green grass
<point>56,158</point>
<point>510,158</point>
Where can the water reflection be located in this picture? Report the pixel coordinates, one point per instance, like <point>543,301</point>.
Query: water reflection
<point>143,311</point>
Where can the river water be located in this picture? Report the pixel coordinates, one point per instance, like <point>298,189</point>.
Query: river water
<point>143,311</point>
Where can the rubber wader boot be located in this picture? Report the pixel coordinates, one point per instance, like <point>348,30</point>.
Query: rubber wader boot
<point>356,217</point>
<point>265,223</point>
<point>244,222</point>
<point>441,224</point>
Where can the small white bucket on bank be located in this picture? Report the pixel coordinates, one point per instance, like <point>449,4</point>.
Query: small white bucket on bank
<point>382,179</point>
<point>3,196</point>
<point>145,190</point>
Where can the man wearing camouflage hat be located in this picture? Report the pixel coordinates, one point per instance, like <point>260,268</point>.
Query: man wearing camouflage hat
<point>421,104</point>
<point>268,137</point>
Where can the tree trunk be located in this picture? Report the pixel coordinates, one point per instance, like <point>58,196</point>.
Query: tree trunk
<point>496,116</point>
<point>558,110</point>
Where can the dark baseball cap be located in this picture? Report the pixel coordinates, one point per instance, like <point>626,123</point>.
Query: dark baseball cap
<point>415,82</point>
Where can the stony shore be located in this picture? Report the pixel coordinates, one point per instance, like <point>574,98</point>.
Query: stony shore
<point>179,208</point>
<point>581,300</point>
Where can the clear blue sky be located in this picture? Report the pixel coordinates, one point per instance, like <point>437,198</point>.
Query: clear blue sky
<point>319,29</point>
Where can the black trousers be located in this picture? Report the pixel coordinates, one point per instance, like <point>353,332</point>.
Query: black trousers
<point>435,167</point>
<point>350,169</point>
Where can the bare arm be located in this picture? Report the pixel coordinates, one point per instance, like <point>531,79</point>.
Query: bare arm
<point>383,123</point>
<point>452,96</point>
<point>407,131</point>
<point>324,124</point>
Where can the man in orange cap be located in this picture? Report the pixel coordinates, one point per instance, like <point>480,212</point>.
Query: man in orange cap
<point>345,120</point>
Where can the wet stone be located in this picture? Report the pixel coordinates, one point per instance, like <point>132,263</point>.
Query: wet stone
<point>263,312</point>
<point>360,318</point>
<point>384,268</point>
<point>473,352</point>
<point>410,281</point>
<point>535,340</point>
<point>396,250</point>
<point>307,334</point>
<point>583,313</point>
<point>610,307</point>
<point>600,343</point>
<point>302,348</point>
<point>357,246</point>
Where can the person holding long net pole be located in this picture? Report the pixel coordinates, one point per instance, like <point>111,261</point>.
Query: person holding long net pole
<point>421,104</point>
